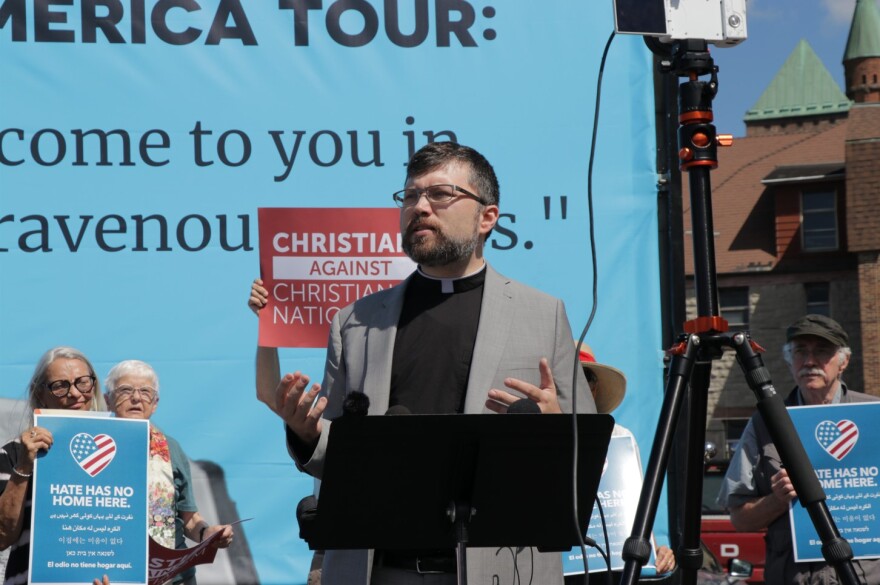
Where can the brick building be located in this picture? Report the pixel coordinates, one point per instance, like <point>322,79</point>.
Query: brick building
<point>797,220</point>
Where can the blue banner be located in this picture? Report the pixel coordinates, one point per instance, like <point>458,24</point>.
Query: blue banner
<point>90,501</point>
<point>138,139</point>
<point>841,441</point>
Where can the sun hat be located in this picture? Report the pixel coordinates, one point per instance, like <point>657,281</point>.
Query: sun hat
<point>611,382</point>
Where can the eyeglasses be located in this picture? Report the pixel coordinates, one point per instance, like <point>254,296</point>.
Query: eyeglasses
<point>146,393</point>
<point>61,388</point>
<point>433,193</point>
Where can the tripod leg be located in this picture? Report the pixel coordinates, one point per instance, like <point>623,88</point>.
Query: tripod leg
<point>637,548</point>
<point>835,549</point>
<point>690,554</point>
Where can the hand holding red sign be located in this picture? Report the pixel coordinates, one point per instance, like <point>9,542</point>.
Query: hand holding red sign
<point>259,296</point>
<point>167,563</point>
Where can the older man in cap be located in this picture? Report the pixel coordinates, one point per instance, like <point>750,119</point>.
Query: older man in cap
<point>757,490</point>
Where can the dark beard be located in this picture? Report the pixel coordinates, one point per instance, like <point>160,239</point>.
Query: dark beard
<point>444,251</point>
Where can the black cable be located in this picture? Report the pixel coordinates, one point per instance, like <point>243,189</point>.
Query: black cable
<point>607,562</point>
<point>593,309</point>
<point>605,534</point>
<point>592,543</point>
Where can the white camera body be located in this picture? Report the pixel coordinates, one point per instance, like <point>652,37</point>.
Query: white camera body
<point>719,22</point>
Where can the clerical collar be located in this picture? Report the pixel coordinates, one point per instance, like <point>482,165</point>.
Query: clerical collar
<point>460,284</point>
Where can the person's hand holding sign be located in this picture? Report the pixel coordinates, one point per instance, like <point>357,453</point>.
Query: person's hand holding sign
<point>782,487</point>
<point>32,441</point>
<point>268,366</point>
<point>225,538</point>
<point>259,296</point>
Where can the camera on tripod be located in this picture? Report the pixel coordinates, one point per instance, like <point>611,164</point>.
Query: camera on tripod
<point>719,22</point>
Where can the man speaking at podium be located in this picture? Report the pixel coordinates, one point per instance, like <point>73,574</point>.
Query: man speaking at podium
<point>454,337</point>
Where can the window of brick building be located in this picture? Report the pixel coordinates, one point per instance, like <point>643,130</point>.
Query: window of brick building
<point>735,306</point>
<point>733,430</point>
<point>819,220</point>
<point>818,298</point>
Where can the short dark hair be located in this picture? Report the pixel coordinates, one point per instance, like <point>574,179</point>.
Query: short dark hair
<point>437,154</point>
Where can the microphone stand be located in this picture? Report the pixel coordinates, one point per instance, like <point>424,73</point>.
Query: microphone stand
<point>460,515</point>
<point>705,340</point>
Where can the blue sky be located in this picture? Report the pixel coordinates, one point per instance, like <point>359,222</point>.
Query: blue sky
<point>774,28</point>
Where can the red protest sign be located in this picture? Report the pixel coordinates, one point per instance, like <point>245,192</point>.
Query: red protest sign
<point>167,563</point>
<point>313,262</point>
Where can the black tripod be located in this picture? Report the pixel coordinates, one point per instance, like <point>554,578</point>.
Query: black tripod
<point>704,340</point>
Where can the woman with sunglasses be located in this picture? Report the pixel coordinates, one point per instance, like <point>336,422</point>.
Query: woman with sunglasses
<point>63,379</point>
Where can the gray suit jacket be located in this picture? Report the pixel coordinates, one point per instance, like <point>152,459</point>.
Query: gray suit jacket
<point>518,326</point>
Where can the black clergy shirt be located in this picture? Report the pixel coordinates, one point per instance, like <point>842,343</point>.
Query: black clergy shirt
<point>435,343</point>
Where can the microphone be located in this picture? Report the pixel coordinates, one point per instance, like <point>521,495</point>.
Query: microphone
<point>524,406</point>
<point>306,514</point>
<point>355,404</point>
<point>397,410</point>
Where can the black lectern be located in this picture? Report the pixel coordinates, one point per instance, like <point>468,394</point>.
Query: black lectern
<point>456,481</point>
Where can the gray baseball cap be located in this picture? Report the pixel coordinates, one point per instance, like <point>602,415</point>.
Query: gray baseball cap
<point>820,326</point>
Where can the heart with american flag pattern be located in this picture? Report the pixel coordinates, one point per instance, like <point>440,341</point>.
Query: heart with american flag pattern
<point>93,454</point>
<point>837,438</point>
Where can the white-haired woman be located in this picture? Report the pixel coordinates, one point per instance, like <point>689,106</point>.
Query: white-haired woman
<point>62,379</point>
<point>133,392</point>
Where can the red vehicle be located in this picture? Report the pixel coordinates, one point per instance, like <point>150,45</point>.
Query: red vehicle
<point>719,534</point>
